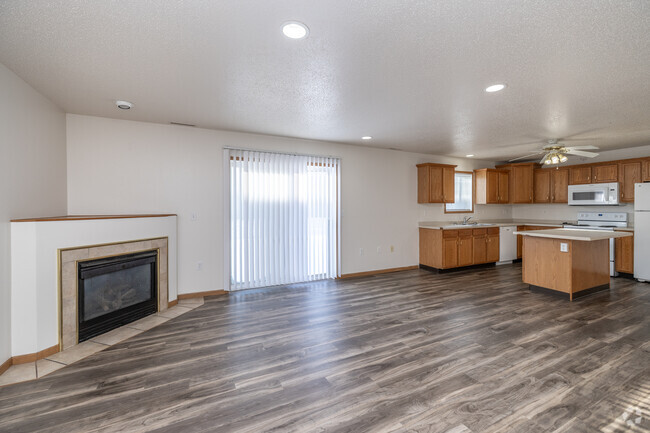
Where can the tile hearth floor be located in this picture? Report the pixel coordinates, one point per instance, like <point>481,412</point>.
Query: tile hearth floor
<point>34,370</point>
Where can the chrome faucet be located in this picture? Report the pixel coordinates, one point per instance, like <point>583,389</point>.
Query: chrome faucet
<point>466,219</point>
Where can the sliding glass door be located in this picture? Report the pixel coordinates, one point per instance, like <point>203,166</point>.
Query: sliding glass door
<point>284,218</point>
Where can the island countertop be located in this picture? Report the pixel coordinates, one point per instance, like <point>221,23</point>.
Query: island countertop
<point>575,234</point>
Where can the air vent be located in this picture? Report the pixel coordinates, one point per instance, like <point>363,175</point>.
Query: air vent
<point>181,124</point>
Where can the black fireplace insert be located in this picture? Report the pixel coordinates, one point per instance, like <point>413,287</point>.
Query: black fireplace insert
<point>114,291</point>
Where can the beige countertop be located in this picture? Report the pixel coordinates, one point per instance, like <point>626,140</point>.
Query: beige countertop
<point>575,235</point>
<point>492,223</point>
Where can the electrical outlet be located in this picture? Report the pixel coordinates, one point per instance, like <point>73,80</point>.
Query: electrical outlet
<point>194,216</point>
<point>564,247</point>
<point>199,266</point>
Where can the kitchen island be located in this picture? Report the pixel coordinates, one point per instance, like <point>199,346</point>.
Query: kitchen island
<point>573,262</point>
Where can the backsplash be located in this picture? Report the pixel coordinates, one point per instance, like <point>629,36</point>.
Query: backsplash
<point>565,212</point>
<point>436,212</point>
<point>553,212</point>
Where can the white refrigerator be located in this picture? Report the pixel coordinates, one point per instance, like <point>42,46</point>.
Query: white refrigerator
<point>642,231</point>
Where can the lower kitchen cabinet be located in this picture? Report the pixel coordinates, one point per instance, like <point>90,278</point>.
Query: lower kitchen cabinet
<point>465,248</point>
<point>624,255</point>
<point>445,249</point>
<point>525,228</point>
<point>492,246</point>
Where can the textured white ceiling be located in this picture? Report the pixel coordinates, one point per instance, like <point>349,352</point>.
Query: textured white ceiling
<point>409,73</point>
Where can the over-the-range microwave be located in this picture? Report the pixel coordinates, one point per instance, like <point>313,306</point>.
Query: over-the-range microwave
<point>594,194</point>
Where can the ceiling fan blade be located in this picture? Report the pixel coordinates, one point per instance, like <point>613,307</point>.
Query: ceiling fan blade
<point>581,153</point>
<point>582,147</point>
<point>579,139</point>
<point>526,157</point>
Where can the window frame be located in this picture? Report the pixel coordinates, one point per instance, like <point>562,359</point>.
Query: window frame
<point>473,194</point>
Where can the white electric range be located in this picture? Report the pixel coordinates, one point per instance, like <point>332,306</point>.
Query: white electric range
<point>607,221</point>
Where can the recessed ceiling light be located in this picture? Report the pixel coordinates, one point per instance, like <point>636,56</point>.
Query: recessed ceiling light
<point>495,88</point>
<point>469,156</point>
<point>366,137</point>
<point>124,105</point>
<point>295,30</point>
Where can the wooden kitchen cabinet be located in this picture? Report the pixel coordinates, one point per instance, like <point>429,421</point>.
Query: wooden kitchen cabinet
<point>580,174</point>
<point>630,173</point>
<point>560,185</point>
<point>450,253</point>
<point>491,186</point>
<point>624,255</point>
<point>604,173</point>
<point>436,183</point>
<point>646,170</point>
<point>541,185</point>
<point>527,228</point>
<point>520,180</point>
<point>479,245</point>
<point>492,245</point>
<point>465,250</point>
<point>445,249</point>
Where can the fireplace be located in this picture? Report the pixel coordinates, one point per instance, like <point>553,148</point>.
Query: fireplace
<point>114,291</point>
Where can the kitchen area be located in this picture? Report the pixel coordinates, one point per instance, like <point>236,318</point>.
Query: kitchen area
<point>599,210</point>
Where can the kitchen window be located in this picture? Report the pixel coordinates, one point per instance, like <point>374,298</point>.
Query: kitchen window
<point>463,193</point>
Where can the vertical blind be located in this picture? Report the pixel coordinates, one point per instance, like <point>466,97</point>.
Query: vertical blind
<point>284,223</point>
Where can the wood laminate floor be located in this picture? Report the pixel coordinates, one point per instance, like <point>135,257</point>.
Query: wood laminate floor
<point>411,351</point>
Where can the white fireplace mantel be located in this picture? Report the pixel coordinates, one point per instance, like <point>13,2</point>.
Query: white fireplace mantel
<point>34,268</point>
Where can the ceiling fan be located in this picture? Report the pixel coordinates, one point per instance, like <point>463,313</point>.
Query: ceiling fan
<point>555,153</point>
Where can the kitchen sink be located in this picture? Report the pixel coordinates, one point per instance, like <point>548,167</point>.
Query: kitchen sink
<point>470,224</point>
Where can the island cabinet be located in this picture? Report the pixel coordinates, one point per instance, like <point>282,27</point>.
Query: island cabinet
<point>446,249</point>
<point>624,255</point>
<point>630,173</point>
<point>436,183</point>
<point>646,170</point>
<point>520,176</point>
<point>579,174</point>
<point>604,173</point>
<point>491,186</point>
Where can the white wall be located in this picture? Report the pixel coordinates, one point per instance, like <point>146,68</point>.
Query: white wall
<point>117,166</point>
<point>32,172</point>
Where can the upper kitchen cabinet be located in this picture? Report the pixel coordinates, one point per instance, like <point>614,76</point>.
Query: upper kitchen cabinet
<point>646,170</point>
<point>436,183</point>
<point>521,181</point>
<point>559,185</point>
<point>551,185</point>
<point>580,174</point>
<point>491,186</point>
<point>630,173</point>
<point>542,185</point>
<point>604,173</point>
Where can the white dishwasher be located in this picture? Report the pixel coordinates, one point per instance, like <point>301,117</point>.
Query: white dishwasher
<point>507,243</point>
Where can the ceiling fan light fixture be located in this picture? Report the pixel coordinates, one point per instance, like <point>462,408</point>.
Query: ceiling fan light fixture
<point>563,158</point>
<point>555,159</point>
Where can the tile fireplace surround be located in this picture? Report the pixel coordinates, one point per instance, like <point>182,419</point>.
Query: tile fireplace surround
<point>44,257</point>
<point>68,262</point>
